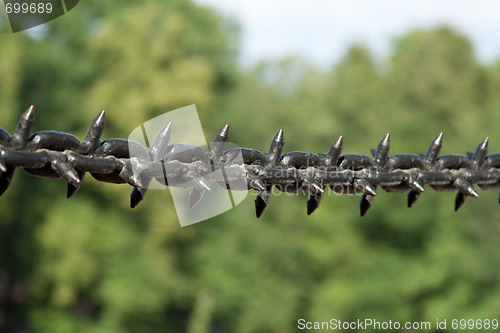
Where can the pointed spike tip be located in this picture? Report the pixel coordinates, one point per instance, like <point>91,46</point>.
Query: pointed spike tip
<point>339,142</point>
<point>316,188</point>
<point>313,203</point>
<point>195,197</point>
<point>382,151</point>
<point>260,206</point>
<point>416,185</point>
<point>386,141</point>
<point>100,118</point>
<point>439,139</point>
<point>6,179</point>
<point>257,184</point>
<point>203,185</point>
<point>135,197</point>
<point>166,131</point>
<point>224,131</point>
<point>460,200</point>
<point>334,152</point>
<point>276,148</point>
<point>71,189</point>
<point>279,137</point>
<point>365,187</point>
<point>161,142</point>
<point>29,114</point>
<point>27,118</point>
<point>22,132</point>
<point>313,186</point>
<point>93,136</point>
<point>412,198</point>
<point>365,204</point>
<point>222,135</point>
<point>465,187</point>
<point>484,143</point>
<point>480,153</point>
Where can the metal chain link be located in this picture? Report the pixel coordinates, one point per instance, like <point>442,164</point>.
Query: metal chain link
<point>57,154</point>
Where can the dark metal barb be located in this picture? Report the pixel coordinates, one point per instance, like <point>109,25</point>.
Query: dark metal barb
<point>23,130</point>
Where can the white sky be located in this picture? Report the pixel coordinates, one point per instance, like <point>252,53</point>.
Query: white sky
<point>322,30</point>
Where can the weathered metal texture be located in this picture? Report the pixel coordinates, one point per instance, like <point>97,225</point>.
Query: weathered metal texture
<point>58,154</point>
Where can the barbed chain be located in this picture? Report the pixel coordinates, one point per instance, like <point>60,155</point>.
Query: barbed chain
<point>54,154</point>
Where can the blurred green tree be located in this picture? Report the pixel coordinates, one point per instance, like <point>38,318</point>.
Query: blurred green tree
<point>93,265</point>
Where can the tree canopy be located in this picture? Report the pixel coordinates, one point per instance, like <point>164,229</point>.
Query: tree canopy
<point>90,264</point>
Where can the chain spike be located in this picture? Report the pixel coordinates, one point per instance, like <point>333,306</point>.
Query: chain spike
<point>334,151</point>
<point>195,197</point>
<point>217,147</point>
<point>23,130</point>
<point>433,151</point>
<point>276,149</point>
<point>161,142</point>
<point>366,203</point>
<point>460,200</point>
<point>480,154</point>
<point>262,200</point>
<point>313,202</point>
<point>412,198</point>
<point>382,151</point>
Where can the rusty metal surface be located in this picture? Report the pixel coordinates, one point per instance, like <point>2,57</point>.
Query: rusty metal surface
<point>58,154</point>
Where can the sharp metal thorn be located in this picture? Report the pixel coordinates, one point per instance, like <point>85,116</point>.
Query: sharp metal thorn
<point>72,188</point>
<point>276,148</point>
<point>313,202</point>
<point>223,134</point>
<point>415,184</point>
<point>480,154</point>
<point>365,186</point>
<point>161,142</point>
<point>256,183</point>
<point>465,187</point>
<point>260,206</point>
<point>217,147</point>
<point>439,139</point>
<point>460,200</point>
<point>65,170</point>
<point>195,197</point>
<point>23,129</point>
<point>366,203</point>
<point>433,151</point>
<point>412,198</point>
<point>383,150</point>
<point>203,185</point>
<point>261,201</point>
<point>313,186</point>
<point>137,196</point>
<point>94,133</point>
<point>335,151</point>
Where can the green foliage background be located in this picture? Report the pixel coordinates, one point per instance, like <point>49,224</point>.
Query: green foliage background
<point>90,264</point>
